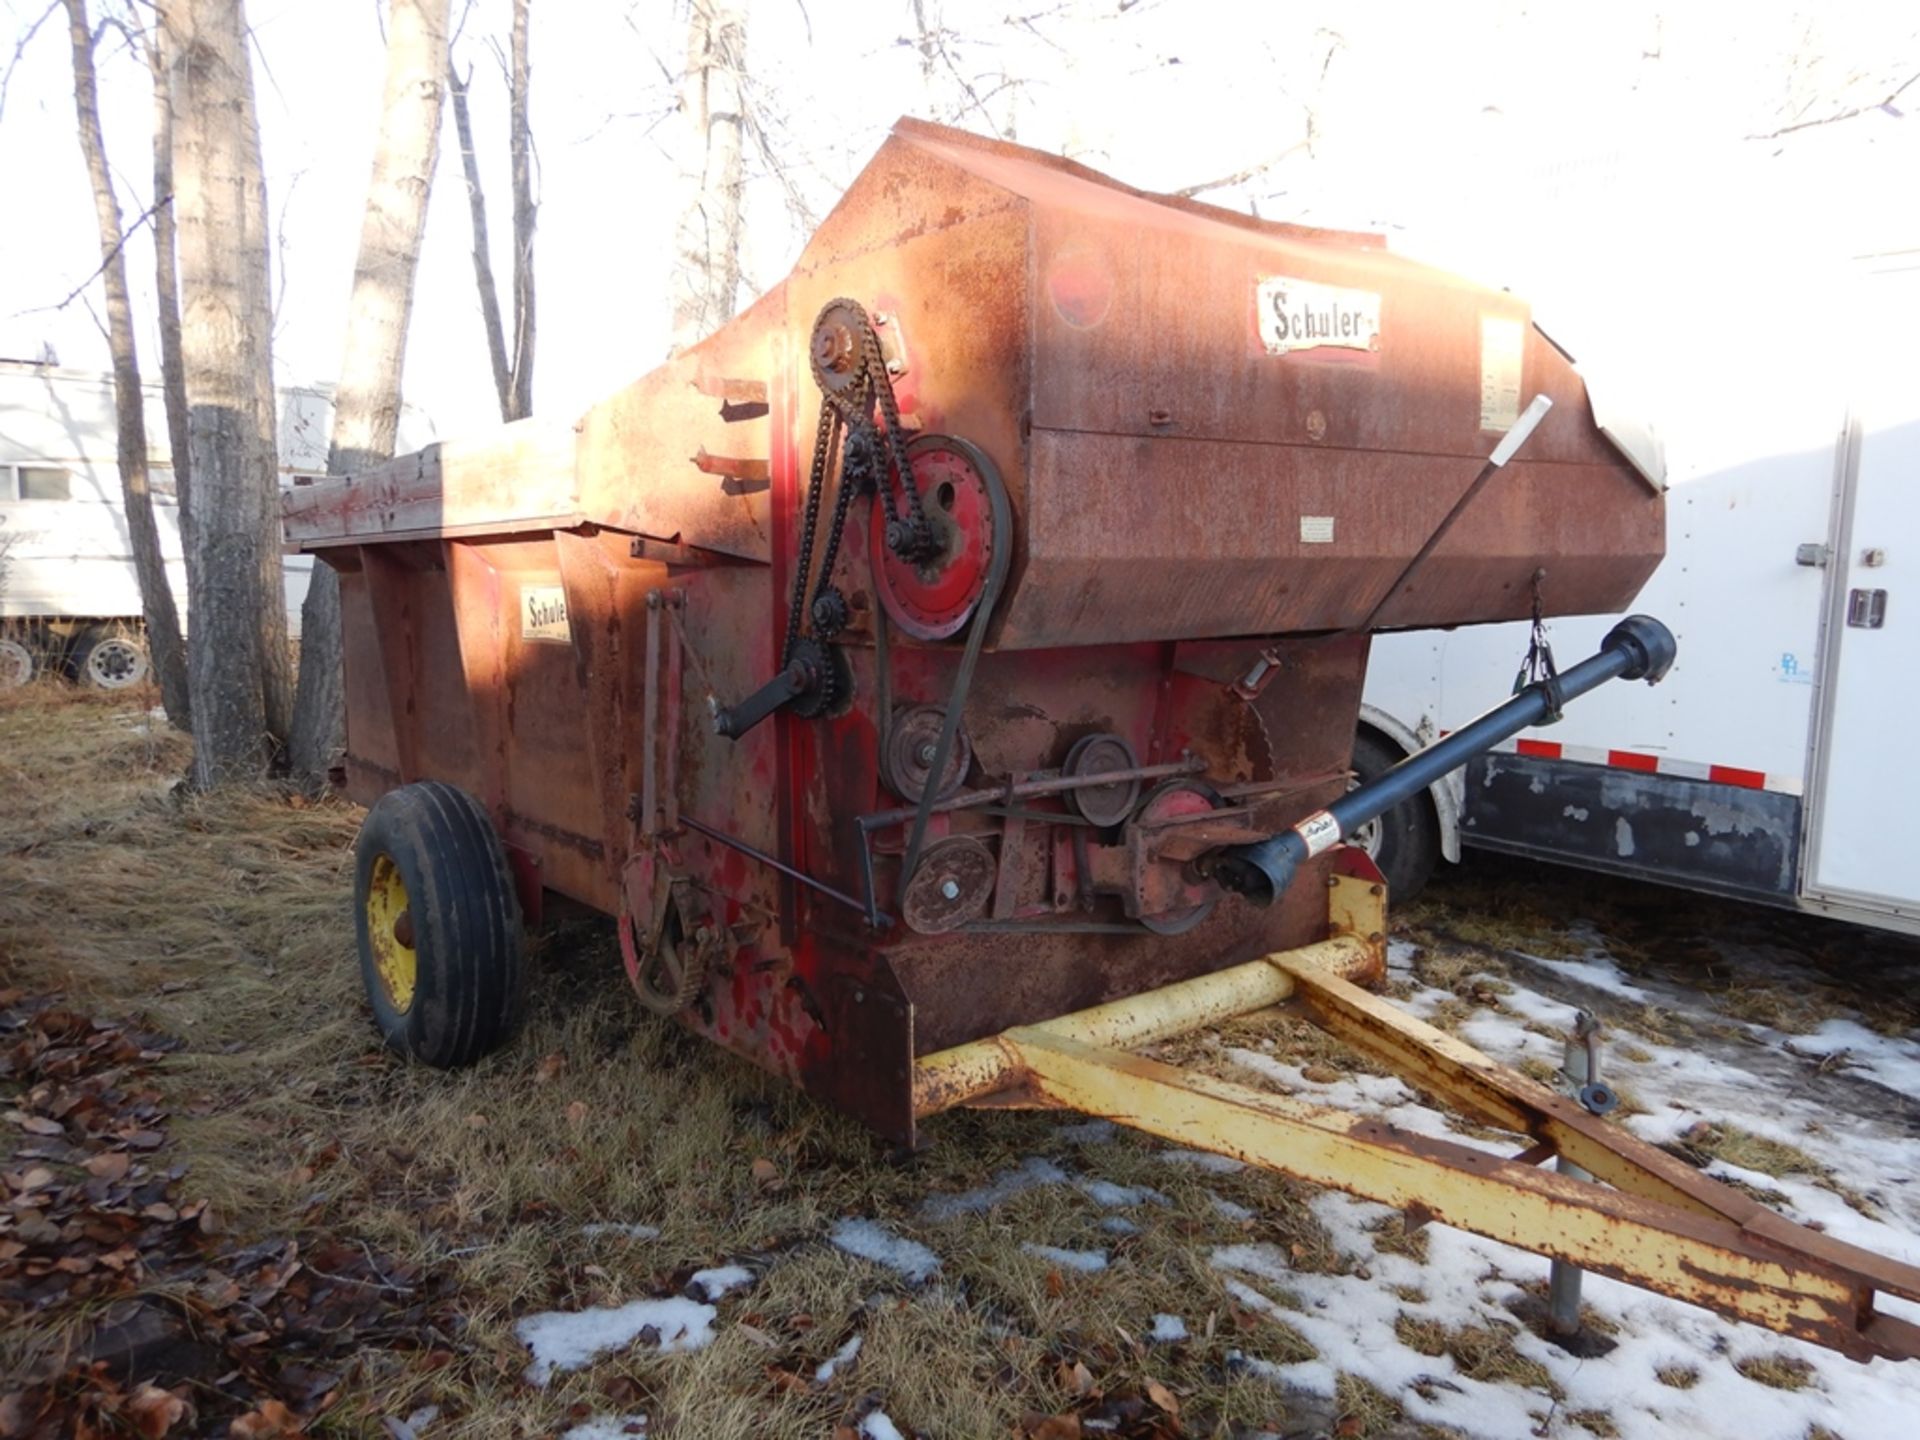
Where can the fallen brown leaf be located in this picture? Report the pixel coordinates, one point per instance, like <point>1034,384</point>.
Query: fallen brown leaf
<point>550,1067</point>
<point>110,1165</point>
<point>577,1113</point>
<point>1163,1397</point>
<point>272,1421</point>
<point>765,1173</point>
<point>154,1411</point>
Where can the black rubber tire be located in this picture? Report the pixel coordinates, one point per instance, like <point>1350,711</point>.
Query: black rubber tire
<point>1409,846</point>
<point>468,943</point>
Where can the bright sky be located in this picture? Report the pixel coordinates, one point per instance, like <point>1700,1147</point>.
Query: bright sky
<point>1594,157</point>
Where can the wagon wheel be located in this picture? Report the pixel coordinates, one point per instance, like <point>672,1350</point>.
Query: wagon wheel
<point>438,925</point>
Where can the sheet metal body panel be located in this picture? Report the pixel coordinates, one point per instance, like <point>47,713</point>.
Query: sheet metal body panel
<point>1200,528</point>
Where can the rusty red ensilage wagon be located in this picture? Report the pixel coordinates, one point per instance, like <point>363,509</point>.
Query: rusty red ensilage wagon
<point>946,675</point>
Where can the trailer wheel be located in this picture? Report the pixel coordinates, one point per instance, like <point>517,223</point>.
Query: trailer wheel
<point>438,920</point>
<point>1404,842</point>
<point>19,662</point>
<point>107,657</point>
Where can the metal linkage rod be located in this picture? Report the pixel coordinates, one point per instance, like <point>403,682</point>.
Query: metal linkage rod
<point>1638,648</point>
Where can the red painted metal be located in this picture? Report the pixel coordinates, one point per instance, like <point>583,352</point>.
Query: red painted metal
<point>1199,526</point>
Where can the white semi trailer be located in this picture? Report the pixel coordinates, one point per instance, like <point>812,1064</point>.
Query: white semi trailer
<point>69,598</point>
<point>1776,761</point>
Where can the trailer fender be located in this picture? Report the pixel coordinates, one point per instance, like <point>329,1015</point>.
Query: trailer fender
<point>1448,792</point>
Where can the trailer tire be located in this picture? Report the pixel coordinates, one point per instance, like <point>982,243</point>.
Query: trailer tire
<point>1404,842</point>
<point>19,662</point>
<point>109,657</point>
<point>442,952</point>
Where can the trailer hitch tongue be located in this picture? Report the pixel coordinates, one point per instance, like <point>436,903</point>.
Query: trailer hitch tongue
<point>1638,648</point>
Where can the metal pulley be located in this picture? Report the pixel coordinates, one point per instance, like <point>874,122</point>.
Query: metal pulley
<point>913,742</point>
<point>933,594</point>
<point>951,886</point>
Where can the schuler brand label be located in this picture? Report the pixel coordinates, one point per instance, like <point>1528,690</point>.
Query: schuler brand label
<point>543,612</point>
<point>1300,315</point>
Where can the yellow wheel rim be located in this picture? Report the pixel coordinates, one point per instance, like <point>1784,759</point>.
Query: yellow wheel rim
<point>390,933</point>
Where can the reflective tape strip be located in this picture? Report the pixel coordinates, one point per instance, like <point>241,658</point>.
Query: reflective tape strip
<point>1642,763</point>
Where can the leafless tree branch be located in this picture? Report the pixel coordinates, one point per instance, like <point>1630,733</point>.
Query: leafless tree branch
<point>1837,117</point>
<point>20,48</point>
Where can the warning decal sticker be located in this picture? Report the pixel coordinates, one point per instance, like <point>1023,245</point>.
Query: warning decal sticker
<point>1502,347</point>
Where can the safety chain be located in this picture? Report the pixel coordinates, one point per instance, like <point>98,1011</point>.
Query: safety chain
<point>1538,667</point>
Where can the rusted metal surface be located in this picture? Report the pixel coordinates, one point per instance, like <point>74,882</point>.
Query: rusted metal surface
<point>1781,1280</point>
<point>551,618</point>
<point>1175,457</point>
<point>1654,1222</point>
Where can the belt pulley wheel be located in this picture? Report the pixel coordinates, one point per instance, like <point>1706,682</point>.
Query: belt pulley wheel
<point>911,743</point>
<point>1099,755</point>
<point>932,597</point>
<point>1198,897</point>
<point>950,886</point>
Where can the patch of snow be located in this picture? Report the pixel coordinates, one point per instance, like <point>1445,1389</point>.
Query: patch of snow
<point>1470,1281</point>
<point>870,1240</point>
<point>1119,1225</point>
<point>1203,1160</point>
<point>1086,1132</point>
<point>1892,1062</point>
<point>568,1339</point>
<point>1118,1197</point>
<point>1031,1172</point>
<point>842,1358</point>
<point>1167,1329</point>
<point>608,1227</point>
<point>1228,1209</point>
<point>1086,1260</point>
<point>714,1283</point>
<point>607,1427</point>
<point>878,1427</point>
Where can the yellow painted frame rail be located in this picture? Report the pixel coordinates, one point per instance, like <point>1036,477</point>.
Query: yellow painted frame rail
<point>1648,1219</point>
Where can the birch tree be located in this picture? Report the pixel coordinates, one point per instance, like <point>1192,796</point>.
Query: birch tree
<point>166,275</point>
<point>156,594</point>
<point>706,281</point>
<point>512,362</point>
<point>239,669</point>
<point>366,403</point>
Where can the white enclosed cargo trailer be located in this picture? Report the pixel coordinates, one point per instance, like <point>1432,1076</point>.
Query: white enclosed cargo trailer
<point>69,598</point>
<point>1776,761</point>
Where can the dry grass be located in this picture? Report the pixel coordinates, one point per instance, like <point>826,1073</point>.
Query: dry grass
<point>1363,1407</point>
<point>1729,1143</point>
<point>224,921</point>
<point>1480,1352</point>
<point>1778,1371</point>
<point>1678,1377</point>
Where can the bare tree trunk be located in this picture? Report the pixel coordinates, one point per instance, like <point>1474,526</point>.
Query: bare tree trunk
<point>520,143</point>
<point>149,564</point>
<point>707,269</point>
<point>238,666</point>
<point>482,251</point>
<point>166,273</point>
<point>366,405</point>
